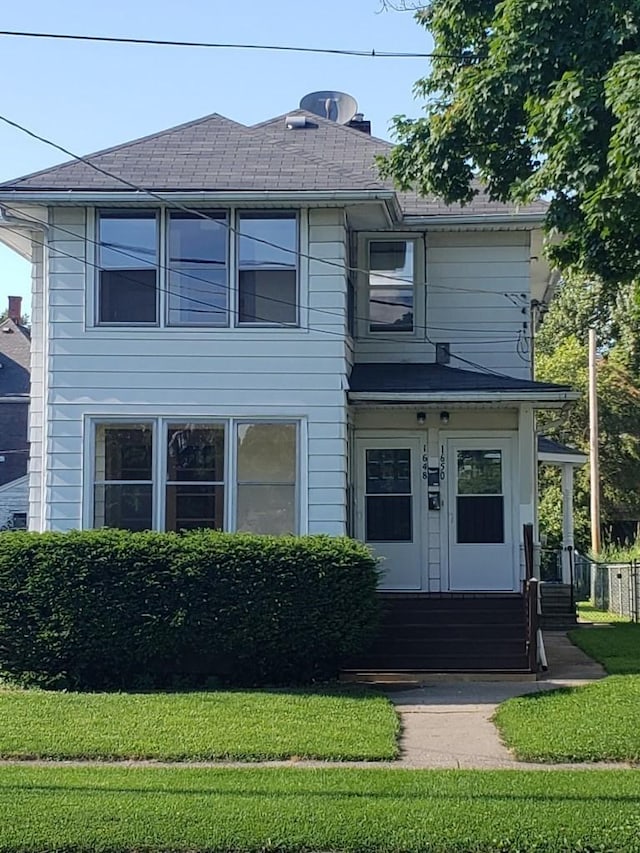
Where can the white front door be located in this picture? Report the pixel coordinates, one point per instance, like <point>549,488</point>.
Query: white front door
<point>389,508</point>
<point>480,515</point>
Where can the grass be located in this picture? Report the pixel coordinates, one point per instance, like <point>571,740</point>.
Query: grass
<point>245,724</point>
<point>588,613</point>
<point>599,722</point>
<point>75,809</point>
<point>616,647</point>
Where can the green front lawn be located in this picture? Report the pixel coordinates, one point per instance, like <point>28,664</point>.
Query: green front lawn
<point>132,809</point>
<point>599,722</point>
<point>244,724</point>
<point>616,647</point>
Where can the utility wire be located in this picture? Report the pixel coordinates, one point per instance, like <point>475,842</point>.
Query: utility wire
<point>170,202</point>
<point>372,53</point>
<point>246,327</point>
<point>499,335</point>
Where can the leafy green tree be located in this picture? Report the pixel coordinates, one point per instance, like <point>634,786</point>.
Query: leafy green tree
<point>535,98</point>
<point>561,356</point>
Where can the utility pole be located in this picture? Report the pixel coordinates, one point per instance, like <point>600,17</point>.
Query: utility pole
<point>593,447</point>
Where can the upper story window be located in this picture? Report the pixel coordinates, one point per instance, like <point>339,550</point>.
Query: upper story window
<point>173,268</point>
<point>128,267</point>
<point>198,269</point>
<point>391,285</point>
<point>267,276</point>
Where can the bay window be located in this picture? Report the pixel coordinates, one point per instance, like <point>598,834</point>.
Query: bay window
<point>174,475</point>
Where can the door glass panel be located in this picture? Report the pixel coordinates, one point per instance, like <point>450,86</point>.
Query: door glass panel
<point>389,502</point>
<point>480,499</point>
<point>479,472</point>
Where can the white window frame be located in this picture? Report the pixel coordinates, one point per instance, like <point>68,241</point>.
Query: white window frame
<point>97,268</point>
<point>160,426</point>
<point>362,304</point>
<point>162,273</point>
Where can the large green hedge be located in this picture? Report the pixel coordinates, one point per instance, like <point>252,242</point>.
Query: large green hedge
<point>109,609</point>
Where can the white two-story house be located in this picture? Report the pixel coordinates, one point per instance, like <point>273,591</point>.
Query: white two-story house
<point>245,328</point>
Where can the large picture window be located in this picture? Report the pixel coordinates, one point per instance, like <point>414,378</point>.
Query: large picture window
<point>144,481</point>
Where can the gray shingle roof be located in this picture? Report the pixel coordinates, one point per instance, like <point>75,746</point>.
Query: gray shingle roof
<point>15,354</point>
<point>216,154</point>
<point>393,377</point>
<point>548,445</point>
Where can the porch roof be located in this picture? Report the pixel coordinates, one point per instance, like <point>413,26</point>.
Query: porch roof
<point>555,452</point>
<point>416,382</point>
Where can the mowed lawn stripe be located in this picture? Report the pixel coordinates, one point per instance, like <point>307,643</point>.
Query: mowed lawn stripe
<point>182,809</point>
<point>240,724</point>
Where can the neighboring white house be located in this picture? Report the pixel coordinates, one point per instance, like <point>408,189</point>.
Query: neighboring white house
<point>274,339</point>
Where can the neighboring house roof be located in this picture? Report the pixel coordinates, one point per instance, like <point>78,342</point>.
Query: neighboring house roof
<point>15,354</point>
<point>552,451</point>
<point>215,154</point>
<point>402,377</point>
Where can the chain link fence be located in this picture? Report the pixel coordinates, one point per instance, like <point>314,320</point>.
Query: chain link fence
<point>616,588</point>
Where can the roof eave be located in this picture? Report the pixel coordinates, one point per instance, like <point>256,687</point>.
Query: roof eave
<point>476,219</point>
<point>75,197</point>
<point>540,399</point>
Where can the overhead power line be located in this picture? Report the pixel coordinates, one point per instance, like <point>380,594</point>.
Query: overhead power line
<point>200,214</point>
<point>371,53</point>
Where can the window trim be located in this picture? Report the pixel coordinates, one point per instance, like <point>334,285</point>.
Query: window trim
<point>162,212</point>
<point>362,304</point>
<point>160,425</point>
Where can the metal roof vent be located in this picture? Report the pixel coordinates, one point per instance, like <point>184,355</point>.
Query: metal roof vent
<point>295,122</point>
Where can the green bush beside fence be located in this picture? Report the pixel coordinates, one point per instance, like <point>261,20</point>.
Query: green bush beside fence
<point>110,609</point>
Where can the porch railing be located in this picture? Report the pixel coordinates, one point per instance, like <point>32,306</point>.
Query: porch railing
<point>532,606</point>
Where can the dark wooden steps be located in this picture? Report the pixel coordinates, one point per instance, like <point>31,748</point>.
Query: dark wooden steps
<point>447,633</point>
<point>558,611</point>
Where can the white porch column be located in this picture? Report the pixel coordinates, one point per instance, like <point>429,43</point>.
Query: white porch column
<point>526,474</point>
<point>567,519</point>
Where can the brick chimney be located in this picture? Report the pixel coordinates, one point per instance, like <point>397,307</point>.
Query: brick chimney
<point>15,309</point>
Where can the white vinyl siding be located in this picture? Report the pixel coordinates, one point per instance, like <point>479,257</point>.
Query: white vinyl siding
<point>476,298</point>
<point>192,374</point>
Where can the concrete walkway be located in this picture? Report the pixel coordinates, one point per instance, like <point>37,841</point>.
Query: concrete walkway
<point>449,724</point>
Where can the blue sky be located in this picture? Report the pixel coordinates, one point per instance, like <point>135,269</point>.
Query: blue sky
<point>90,96</point>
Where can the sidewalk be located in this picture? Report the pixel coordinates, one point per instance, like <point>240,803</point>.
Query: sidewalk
<point>449,725</point>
